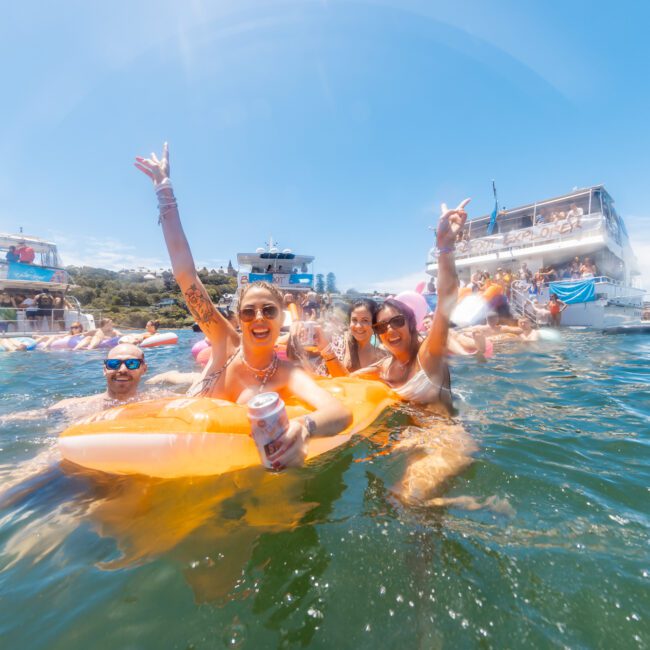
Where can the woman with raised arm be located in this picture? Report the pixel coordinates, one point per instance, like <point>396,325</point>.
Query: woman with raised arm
<point>417,371</point>
<point>237,371</point>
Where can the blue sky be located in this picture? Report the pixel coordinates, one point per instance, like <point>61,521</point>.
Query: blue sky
<point>336,127</point>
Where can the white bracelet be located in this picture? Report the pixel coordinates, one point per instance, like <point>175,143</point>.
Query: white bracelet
<point>164,185</point>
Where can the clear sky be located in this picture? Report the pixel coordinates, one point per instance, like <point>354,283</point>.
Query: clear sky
<point>336,127</point>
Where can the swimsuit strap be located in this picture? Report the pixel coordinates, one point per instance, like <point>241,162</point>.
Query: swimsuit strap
<point>207,383</point>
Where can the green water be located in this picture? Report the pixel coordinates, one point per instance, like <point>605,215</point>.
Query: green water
<point>325,556</point>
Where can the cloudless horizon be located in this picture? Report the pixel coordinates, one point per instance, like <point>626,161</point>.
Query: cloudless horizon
<point>336,127</point>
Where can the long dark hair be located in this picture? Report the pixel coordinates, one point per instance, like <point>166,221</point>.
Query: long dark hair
<point>408,313</point>
<point>352,344</point>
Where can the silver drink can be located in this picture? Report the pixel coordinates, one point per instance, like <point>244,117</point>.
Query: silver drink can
<point>269,422</point>
<point>309,327</point>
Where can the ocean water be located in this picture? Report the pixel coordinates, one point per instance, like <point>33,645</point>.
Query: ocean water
<point>325,556</point>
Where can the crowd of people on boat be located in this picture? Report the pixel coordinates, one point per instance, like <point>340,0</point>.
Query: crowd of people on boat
<point>575,269</point>
<point>43,310</point>
<point>23,253</point>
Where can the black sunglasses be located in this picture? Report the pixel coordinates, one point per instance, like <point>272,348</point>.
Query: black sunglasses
<point>116,364</point>
<point>247,314</point>
<point>394,323</point>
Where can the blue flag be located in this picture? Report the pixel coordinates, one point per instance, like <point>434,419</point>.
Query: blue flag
<point>493,220</point>
<point>493,216</point>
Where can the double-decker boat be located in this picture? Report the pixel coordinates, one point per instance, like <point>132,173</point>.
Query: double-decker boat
<point>284,268</point>
<point>26,280</point>
<point>552,234</point>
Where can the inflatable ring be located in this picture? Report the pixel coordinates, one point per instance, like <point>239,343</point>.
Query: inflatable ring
<point>162,338</point>
<point>61,344</point>
<point>171,438</point>
<point>27,341</point>
<point>109,343</point>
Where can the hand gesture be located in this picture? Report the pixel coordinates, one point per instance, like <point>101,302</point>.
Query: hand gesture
<point>156,170</point>
<point>451,222</point>
<point>291,448</point>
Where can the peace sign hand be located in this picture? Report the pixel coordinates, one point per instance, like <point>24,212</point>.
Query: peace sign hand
<point>451,222</point>
<point>156,170</point>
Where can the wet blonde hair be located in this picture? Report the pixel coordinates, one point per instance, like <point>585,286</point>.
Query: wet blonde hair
<point>278,297</point>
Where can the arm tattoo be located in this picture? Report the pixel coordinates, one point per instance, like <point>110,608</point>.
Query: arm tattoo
<point>200,305</point>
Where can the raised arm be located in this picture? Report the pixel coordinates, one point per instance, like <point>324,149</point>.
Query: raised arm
<point>434,347</point>
<point>213,324</point>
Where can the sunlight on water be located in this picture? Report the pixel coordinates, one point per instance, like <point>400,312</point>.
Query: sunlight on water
<point>556,554</point>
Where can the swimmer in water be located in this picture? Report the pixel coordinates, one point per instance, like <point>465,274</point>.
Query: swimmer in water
<point>45,342</point>
<point>494,330</point>
<point>151,328</point>
<point>356,349</point>
<point>124,367</point>
<point>93,338</point>
<point>10,345</point>
<point>527,331</point>
<point>238,372</point>
<point>342,354</point>
<point>418,371</point>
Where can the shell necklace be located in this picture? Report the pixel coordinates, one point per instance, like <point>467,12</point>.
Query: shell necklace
<point>261,374</point>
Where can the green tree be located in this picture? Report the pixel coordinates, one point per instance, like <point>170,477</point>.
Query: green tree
<point>330,283</point>
<point>320,283</point>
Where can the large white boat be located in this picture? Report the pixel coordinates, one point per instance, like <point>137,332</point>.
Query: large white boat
<point>552,233</point>
<point>282,267</point>
<point>25,280</point>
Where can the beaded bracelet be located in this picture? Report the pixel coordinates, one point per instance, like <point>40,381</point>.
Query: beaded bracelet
<point>446,249</point>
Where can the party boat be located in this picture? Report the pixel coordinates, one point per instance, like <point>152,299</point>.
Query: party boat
<point>287,270</point>
<point>20,280</point>
<point>552,233</point>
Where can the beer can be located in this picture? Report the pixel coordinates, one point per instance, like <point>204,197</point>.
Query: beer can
<point>309,329</point>
<point>268,417</point>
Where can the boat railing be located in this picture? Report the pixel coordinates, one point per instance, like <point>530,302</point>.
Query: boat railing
<point>32,320</point>
<point>527,237</point>
<point>520,302</point>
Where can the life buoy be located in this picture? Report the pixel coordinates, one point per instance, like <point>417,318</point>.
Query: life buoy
<point>171,438</point>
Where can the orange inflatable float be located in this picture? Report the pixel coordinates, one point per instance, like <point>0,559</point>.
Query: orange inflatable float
<point>200,436</point>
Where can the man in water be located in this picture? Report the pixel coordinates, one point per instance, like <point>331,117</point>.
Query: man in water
<point>493,329</point>
<point>123,369</point>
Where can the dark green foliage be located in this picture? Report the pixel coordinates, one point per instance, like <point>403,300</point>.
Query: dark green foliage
<point>131,301</point>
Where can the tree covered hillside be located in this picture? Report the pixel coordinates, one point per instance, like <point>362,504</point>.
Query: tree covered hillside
<point>131,300</point>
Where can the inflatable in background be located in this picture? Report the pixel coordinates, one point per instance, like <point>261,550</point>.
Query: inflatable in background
<point>172,438</point>
<point>472,308</point>
<point>109,343</point>
<point>27,341</point>
<point>198,346</point>
<point>204,355</point>
<point>417,304</point>
<point>161,338</point>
